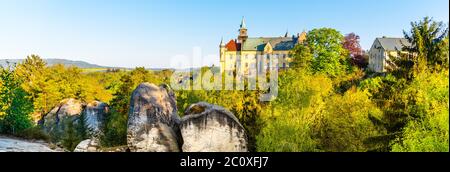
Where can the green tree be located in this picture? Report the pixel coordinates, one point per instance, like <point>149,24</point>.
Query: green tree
<point>32,71</point>
<point>302,57</point>
<point>426,102</point>
<point>289,119</point>
<point>429,41</point>
<point>15,107</point>
<point>346,123</point>
<point>329,55</point>
<point>71,137</point>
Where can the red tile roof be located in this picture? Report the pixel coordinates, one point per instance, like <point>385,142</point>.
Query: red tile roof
<point>233,46</point>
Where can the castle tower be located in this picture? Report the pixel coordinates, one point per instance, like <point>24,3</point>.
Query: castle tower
<point>242,32</point>
<point>222,55</point>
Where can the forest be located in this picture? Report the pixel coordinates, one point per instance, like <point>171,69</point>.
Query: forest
<point>328,101</point>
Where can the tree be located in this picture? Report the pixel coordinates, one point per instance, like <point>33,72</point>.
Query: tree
<point>347,124</point>
<point>71,137</point>
<point>426,102</point>
<point>429,41</point>
<point>32,73</point>
<point>351,43</point>
<point>15,107</point>
<point>301,57</point>
<point>329,56</point>
<point>356,54</point>
<point>116,122</point>
<point>288,120</point>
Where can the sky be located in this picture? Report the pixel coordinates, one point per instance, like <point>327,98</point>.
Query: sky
<point>155,33</point>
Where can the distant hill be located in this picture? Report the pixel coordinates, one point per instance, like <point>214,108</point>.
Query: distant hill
<point>50,62</point>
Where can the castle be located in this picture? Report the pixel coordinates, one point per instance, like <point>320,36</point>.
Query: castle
<point>247,53</point>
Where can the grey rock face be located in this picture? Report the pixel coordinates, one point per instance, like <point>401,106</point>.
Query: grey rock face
<point>69,109</point>
<point>153,123</point>
<point>95,117</point>
<point>210,128</point>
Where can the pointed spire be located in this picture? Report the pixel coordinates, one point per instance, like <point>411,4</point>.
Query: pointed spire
<point>221,43</point>
<point>243,26</point>
<point>287,33</point>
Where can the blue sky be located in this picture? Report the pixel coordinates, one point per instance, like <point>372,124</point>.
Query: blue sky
<point>149,33</point>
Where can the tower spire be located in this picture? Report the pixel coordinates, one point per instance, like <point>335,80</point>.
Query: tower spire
<point>242,32</point>
<point>243,26</point>
<point>221,43</point>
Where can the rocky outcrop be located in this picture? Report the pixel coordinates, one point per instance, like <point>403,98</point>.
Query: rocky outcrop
<point>89,145</point>
<point>87,120</point>
<point>153,123</point>
<point>68,109</point>
<point>95,118</point>
<point>210,128</point>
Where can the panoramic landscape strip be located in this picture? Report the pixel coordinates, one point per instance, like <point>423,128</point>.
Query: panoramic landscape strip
<point>316,90</point>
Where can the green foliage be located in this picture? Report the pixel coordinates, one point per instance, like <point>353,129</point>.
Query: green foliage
<point>15,107</point>
<point>286,135</point>
<point>323,103</point>
<point>426,101</point>
<point>329,55</point>
<point>34,133</point>
<point>115,130</point>
<point>346,123</point>
<point>308,116</point>
<point>71,136</point>
<point>430,43</point>
<point>302,57</point>
<point>47,86</point>
<point>297,108</point>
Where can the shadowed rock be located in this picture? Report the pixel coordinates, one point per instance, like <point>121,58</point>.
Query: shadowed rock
<point>153,123</point>
<point>210,128</point>
<point>95,118</point>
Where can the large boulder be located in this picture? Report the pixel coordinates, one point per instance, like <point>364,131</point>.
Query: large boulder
<point>153,123</point>
<point>210,128</point>
<point>95,118</point>
<point>89,145</point>
<point>68,110</point>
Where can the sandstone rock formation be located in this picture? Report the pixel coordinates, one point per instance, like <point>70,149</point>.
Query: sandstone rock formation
<point>68,109</point>
<point>210,128</point>
<point>153,123</point>
<point>95,117</point>
<point>89,145</point>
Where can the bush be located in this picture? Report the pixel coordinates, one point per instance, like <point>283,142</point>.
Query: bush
<point>115,130</point>
<point>426,101</point>
<point>288,120</point>
<point>346,123</point>
<point>34,133</point>
<point>71,137</point>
